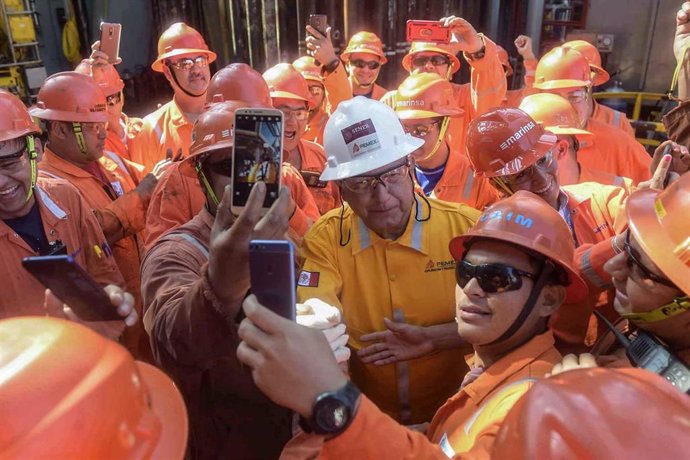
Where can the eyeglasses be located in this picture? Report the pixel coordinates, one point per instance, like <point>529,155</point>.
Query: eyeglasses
<point>421,131</point>
<point>579,95</point>
<point>13,161</point>
<point>360,64</point>
<point>522,177</point>
<point>491,277</point>
<point>114,99</point>
<point>316,90</point>
<point>188,63</point>
<point>299,114</point>
<point>634,259</point>
<point>94,127</point>
<point>436,60</point>
<point>361,184</point>
<point>222,168</point>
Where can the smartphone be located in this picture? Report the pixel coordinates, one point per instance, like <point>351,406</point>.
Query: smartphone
<point>319,22</point>
<point>258,155</point>
<point>110,40</point>
<point>272,273</point>
<point>73,286</point>
<point>313,179</point>
<point>427,31</point>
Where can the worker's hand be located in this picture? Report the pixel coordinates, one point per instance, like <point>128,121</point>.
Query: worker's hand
<point>571,362</point>
<point>464,36</point>
<point>682,38</point>
<point>680,163</point>
<point>658,180</point>
<point>291,364</point>
<point>523,44</point>
<point>320,46</point>
<point>122,300</point>
<point>401,342</point>
<point>98,57</point>
<point>228,266</point>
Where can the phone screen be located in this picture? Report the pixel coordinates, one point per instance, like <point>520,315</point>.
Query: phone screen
<point>258,156</point>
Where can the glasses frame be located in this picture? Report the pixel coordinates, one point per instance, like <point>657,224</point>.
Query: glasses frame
<point>189,63</point>
<point>512,275</point>
<point>360,64</point>
<point>385,178</point>
<point>633,258</point>
<point>436,60</point>
<point>523,176</point>
<point>421,134</point>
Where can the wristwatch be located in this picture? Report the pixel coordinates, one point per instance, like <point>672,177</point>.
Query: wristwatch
<point>477,54</point>
<point>333,411</point>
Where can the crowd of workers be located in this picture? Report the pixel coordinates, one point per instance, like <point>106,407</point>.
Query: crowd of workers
<point>456,272</point>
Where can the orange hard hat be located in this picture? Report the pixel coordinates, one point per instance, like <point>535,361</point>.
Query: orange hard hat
<point>70,96</point>
<point>592,55</point>
<point>68,392</point>
<point>586,414</point>
<point>658,222</point>
<point>105,76</point>
<point>526,220</point>
<point>308,68</point>
<point>554,113</point>
<point>562,67</point>
<point>364,42</point>
<point>504,59</point>
<point>15,120</point>
<point>426,95</point>
<point>239,82</point>
<point>506,141</point>
<point>178,40</point>
<point>285,82</point>
<point>420,47</point>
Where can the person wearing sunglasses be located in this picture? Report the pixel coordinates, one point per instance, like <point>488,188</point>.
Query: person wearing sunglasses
<point>382,259</point>
<point>290,94</point>
<point>651,273</point>
<point>184,59</point>
<point>425,104</point>
<point>516,153</point>
<point>513,269</point>
<point>566,72</point>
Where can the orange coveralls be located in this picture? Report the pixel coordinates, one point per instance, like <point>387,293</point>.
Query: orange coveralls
<point>166,128</point>
<point>326,194</point>
<point>177,198</point>
<point>67,218</point>
<point>337,88</point>
<point>121,211</point>
<point>465,427</point>
<point>120,146</point>
<point>612,117</point>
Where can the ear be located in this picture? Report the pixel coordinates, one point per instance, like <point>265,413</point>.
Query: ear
<point>551,297</point>
<point>562,147</point>
<point>58,130</point>
<point>166,73</point>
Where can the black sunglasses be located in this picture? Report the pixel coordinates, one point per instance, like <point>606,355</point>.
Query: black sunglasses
<point>634,258</point>
<point>373,65</point>
<point>491,277</point>
<point>436,60</point>
<point>222,168</point>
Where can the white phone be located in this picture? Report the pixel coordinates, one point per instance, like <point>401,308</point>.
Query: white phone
<point>110,40</point>
<point>258,155</point>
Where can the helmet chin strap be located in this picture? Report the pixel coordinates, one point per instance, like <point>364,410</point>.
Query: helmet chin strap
<point>79,136</point>
<point>33,156</point>
<point>177,82</point>
<point>362,85</point>
<point>441,138</point>
<point>207,185</point>
<point>502,185</point>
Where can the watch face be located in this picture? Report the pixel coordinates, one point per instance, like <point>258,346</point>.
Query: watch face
<point>331,415</point>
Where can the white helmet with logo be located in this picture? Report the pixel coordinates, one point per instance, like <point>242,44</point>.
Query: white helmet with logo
<point>363,135</point>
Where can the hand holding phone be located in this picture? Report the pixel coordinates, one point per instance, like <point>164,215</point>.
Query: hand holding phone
<point>272,272</point>
<point>427,31</point>
<point>110,41</point>
<point>319,22</point>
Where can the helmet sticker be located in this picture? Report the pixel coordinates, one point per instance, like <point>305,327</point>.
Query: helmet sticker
<point>361,138</point>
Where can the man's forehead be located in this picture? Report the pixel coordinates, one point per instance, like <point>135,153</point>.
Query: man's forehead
<point>385,168</point>
<point>364,57</point>
<point>12,148</point>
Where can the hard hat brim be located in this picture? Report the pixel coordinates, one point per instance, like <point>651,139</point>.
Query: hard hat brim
<point>650,233</point>
<point>17,133</point>
<point>423,114</point>
<point>158,63</point>
<point>373,160</point>
<point>575,292</point>
<point>345,55</point>
<point>289,95</point>
<point>546,142</point>
<point>562,84</point>
<point>454,61</point>
<point>168,404</point>
<point>187,164</point>
<point>600,76</point>
<point>567,130</point>
<point>61,115</point>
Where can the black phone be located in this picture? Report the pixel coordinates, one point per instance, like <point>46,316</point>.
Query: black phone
<point>73,286</point>
<point>272,273</point>
<point>313,179</point>
<point>319,22</point>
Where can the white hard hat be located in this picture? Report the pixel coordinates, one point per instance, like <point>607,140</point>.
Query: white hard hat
<point>363,135</point>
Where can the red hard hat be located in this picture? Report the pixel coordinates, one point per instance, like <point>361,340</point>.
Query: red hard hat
<point>308,68</point>
<point>525,220</point>
<point>554,113</point>
<point>178,40</point>
<point>504,59</point>
<point>587,414</point>
<point>364,42</point>
<point>562,67</point>
<point>658,222</point>
<point>105,76</point>
<point>239,82</point>
<point>68,392</point>
<point>591,52</point>
<point>285,82</point>
<point>420,47</point>
<point>15,120</point>
<point>506,141</point>
<point>70,96</point>
<point>426,95</point>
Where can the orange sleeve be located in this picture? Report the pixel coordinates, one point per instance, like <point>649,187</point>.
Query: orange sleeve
<point>530,70</point>
<point>337,86</point>
<point>306,211</point>
<point>488,83</point>
<point>123,217</point>
<point>143,146</point>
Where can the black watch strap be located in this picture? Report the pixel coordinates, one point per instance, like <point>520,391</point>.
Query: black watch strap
<point>333,411</point>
